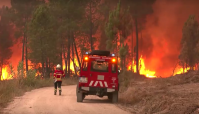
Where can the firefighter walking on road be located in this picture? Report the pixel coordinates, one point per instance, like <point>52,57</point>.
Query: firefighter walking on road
<point>58,75</point>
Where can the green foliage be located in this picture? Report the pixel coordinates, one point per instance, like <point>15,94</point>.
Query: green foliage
<point>12,73</point>
<point>20,70</point>
<point>111,29</point>
<point>118,28</point>
<point>22,12</point>
<point>189,52</point>
<point>42,36</point>
<point>123,51</point>
<point>30,80</point>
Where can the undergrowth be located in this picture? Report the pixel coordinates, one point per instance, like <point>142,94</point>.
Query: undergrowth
<point>17,87</point>
<point>172,95</point>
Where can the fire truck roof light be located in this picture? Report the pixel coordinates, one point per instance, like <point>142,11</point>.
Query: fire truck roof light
<point>86,52</point>
<point>113,55</point>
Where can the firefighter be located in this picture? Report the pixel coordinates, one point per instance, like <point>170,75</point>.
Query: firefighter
<point>58,75</point>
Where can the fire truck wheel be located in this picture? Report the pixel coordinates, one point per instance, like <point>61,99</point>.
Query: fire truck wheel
<point>80,97</point>
<point>115,97</point>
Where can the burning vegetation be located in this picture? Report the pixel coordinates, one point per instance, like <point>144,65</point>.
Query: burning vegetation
<point>146,35</point>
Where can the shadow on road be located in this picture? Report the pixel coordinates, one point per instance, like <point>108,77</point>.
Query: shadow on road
<point>103,101</point>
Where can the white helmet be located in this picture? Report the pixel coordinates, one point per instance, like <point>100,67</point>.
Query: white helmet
<point>58,66</point>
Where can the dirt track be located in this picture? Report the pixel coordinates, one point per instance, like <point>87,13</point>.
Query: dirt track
<point>42,101</point>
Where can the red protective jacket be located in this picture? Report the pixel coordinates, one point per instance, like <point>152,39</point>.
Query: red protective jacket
<point>58,75</point>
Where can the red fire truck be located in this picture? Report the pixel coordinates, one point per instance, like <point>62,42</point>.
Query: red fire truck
<point>98,76</point>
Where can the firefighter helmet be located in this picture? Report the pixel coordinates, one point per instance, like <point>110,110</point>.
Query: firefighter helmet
<point>58,66</point>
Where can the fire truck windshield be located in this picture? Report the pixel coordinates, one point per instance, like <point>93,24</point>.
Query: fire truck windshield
<point>99,66</point>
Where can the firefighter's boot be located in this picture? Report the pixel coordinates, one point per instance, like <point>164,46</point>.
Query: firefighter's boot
<point>59,92</point>
<point>55,92</point>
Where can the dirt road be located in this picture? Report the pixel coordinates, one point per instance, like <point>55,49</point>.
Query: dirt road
<point>42,101</point>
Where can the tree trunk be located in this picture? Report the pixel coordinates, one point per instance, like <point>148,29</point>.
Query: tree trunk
<point>46,71</point>
<point>43,66</point>
<point>42,57</point>
<point>120,40</point>
<point>26,54</point>
<point>91,26</point>
<point>132,52</point>
<point>76,51</point>
<point>65,60</point>
<point>68,54</point>
<point>183,67</point>
<point>26,43</point>
<point>73,59</point>
<point>137,54</point>
<point>125,63</point>
<point>61,58</point>
<point>23,49</point>
<point>1,66</point>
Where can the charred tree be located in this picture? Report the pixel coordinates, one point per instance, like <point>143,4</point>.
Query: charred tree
<point>132,51</point>
<point>26,54</point>
<point>137,54</point>
<point>1,66</point>
<point>75,47</point>
<point>61,54</point>
<point>22,59</point>
<point>68,54</point>
<point>73,58</point>
<point>65,60</point>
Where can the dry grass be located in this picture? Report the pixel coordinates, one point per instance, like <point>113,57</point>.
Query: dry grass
<point>174,95</point>
<point>12,88</point>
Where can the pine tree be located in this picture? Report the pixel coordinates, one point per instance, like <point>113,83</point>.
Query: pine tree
<point>42,36</point>
<point>22,11</point>
<point>6,41</point>
<point>190,42</point>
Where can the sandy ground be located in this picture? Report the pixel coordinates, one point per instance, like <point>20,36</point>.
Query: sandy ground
<point>43,101</point>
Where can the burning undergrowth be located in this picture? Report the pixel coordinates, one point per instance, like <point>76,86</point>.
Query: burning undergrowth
<point>173,95</point>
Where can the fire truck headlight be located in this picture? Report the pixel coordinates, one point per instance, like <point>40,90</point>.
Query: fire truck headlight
<point>83,79</point>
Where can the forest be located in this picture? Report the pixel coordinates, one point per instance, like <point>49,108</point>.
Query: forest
<point>60,32</point>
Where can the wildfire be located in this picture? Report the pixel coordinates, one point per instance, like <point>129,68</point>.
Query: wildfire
<point>71,65</point>
<point>142,69</point>
<point>180,71</point>
<point>5,74</point>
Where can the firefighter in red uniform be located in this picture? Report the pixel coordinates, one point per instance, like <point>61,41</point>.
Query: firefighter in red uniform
<point>58,75</point>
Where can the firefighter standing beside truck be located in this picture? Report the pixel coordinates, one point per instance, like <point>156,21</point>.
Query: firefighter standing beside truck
<point>58,75</point>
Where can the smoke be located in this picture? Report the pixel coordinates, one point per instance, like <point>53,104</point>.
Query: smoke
<point>5,3</point>
<point>165,29</point>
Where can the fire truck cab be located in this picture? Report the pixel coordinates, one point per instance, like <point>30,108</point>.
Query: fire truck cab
<point>98,76</point>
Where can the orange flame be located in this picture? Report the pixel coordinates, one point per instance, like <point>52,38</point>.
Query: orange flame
<point>142,69</point>
<point>71,64</point>
<point>180,71</point>
<point>5,74</point>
